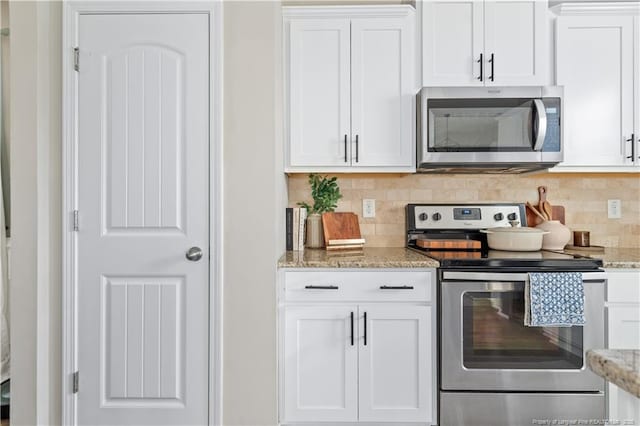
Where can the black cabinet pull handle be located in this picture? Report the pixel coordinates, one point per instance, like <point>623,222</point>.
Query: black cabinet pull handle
<point>365,329</point>
<point>396,287</point>
<point>321,287</point>
<point>633,148</point>
<point>351,328</point>
<point>357,151</point>
<point>481,78</point>
<point>345,149</point>
<point>493,63</point>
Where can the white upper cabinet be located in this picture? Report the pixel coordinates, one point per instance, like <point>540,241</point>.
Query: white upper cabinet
<point>597,57</point>
<point>350,85</point>
<point>484,43</point>
<point>453,43</point>
<point>320,83</point>
<point>382,92</point>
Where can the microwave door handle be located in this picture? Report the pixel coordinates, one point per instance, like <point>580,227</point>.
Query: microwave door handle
<point>541,131</point>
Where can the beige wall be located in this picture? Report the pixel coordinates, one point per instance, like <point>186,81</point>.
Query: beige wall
<point>252,52</point>
<point>584,197</point>
<point>253,200</point>
<point>35,77</point>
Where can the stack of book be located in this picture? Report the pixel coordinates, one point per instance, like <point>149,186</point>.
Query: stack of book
<point>296,221</point>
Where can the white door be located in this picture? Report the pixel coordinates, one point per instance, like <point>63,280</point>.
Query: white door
<point>319,92</point>
<point>143,150</point>
<point>320,364</point>
<point>383,89</point>
<point>515,37</point>
<point>595,66</point>
<point>395,364</point>
<point>452,43</point>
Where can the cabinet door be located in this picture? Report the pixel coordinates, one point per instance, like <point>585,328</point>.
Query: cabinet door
<point>515,33</point>
<point>320,364</point>
<point>595,65</point>
<point>452,42</point>
<point>624,333</point>
<point>383,88</point>
<point>395,364</point>
<point>319,91</point>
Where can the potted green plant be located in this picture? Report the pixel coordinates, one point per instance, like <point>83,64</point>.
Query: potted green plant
<point>325,193</point>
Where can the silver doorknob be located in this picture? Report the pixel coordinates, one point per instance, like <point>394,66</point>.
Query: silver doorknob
<point>194,254</point>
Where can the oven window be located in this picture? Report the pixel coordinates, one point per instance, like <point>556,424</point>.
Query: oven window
<point>494,336</point>
<point>476,125</point>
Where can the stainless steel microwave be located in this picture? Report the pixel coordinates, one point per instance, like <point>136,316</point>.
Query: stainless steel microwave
<point>489,129</point>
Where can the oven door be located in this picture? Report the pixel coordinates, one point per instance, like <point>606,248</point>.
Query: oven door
<point>485,345</point>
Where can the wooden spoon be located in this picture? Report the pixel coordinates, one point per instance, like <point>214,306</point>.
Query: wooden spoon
<point>536,212</point>
<point>543,205</point>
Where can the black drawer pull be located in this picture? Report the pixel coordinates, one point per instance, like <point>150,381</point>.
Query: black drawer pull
<point>351,328</point>
<point>365,329</point>
<point>396,287</point>
<point>321,287</point>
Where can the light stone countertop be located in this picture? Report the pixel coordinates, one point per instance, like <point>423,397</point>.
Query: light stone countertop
<point>370,257</point>
<point>400,257</point>
<point>618,366</point>
<point>615,257</point>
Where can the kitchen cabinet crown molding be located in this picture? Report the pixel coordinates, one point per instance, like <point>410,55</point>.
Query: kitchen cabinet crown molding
<point>597,8</point>
<point>351,11</point>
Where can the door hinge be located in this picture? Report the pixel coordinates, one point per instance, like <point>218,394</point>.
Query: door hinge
<point>75,380</point>
<point>76,58</point>
<point>76,221</point>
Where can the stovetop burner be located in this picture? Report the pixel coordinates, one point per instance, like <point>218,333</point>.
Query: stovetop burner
<point>464,221</point>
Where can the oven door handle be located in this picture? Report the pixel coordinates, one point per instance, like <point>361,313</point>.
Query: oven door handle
<point>509,277</point>
<point>540,131</point>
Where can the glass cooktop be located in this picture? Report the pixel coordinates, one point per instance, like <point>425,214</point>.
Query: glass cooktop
<point>538,260</point>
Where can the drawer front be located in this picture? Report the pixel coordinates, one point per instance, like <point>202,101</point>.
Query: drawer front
<point>623,286</point>
<point>371,286</point>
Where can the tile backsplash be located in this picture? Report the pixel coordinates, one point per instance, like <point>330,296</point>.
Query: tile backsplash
<point>583,196</point>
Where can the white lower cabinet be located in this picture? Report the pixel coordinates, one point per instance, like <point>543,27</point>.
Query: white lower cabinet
<point>320,364</point>
<point>363,359</point>
<point>395,364</point>
<point>623,332</point>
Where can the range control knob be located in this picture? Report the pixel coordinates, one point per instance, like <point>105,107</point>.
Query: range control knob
<point>437,216</point>
<point>498,216</point>
<point>512,216</point>
<point>423,216</point>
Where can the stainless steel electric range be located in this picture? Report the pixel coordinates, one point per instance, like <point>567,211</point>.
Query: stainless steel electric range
<point>494,370</point>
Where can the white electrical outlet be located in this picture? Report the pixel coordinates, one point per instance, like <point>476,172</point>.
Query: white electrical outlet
<point>614,210</point>
<point>368,208</point>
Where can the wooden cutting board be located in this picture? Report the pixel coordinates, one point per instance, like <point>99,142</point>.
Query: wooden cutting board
<point>340,226</point>
<point>439,244</point>
<point>557,213</point>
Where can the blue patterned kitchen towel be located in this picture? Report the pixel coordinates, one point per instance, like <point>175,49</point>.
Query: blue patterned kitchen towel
<point>554,299</point>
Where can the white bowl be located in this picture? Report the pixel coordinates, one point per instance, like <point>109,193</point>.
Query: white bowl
<point>514,238</point>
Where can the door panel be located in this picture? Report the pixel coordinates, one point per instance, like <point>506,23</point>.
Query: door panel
<point>395,364</point>
<point>452,42</point>
<point>321,364</point>
<point>319,90</point>
<point>516,34</point>
<point>609,80</point>
<point>144,180</point>
<point>382,90</point>
<point>624,333</point>
<point>143,198</point>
